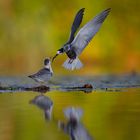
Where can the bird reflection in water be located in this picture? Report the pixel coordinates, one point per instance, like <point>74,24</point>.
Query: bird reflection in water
<point>44,103</point>
<point>74,128</point>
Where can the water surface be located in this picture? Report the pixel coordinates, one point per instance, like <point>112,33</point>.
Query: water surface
<point>106,115</point>
<point>111,108</point>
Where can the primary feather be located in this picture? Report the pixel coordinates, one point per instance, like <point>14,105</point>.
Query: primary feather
<point>76,23</point>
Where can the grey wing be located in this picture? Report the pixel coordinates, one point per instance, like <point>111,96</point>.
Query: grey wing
<point>76,23</point>
<point>87,32</point>
<point>44,74</point>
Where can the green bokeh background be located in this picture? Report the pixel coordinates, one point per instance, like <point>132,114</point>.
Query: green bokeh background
<point>32,30</point>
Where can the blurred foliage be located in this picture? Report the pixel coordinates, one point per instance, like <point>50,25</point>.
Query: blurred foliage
<point>32,30</point>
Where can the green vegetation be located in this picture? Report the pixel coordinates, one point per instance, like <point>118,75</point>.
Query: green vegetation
<point>32,30</point>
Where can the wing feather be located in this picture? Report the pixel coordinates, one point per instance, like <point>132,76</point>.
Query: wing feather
<point>41,73</point>
<point>87,32</point>
<point>76,23</point>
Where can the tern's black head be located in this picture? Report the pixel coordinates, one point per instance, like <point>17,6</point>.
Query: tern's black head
<point>65,48</point>
<point>60,51</point>
<point>46,61</point>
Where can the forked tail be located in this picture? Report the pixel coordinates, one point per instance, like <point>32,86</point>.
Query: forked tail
<point>76,64</point>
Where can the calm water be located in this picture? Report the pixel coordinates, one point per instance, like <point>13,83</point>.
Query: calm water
<point>106,115</point>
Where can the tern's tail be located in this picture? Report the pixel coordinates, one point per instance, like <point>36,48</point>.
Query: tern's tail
<point>75,64</point>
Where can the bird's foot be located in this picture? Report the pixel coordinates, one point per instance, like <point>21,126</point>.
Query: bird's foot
<point>70,61</point>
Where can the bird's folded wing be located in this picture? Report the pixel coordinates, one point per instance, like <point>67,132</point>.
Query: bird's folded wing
<point>87,32</point>
<point>42,72</point>
<point>76,23</point>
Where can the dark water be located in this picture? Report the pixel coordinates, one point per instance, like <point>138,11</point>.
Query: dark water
<point>106,114</point>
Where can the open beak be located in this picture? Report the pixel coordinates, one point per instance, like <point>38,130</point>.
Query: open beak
<point>54,57</point>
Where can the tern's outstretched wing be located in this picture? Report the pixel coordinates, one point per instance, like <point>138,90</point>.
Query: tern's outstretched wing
<point>76,23</point>
<point>87,32</point>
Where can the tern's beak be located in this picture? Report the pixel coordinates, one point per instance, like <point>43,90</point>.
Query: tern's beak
<point>54,57</point>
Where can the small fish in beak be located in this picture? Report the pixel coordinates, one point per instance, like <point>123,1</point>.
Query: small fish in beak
<point>54,57</point>
<point>60,51</point>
